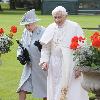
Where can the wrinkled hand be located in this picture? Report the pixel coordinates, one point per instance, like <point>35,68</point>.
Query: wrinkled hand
<point>44,66</point>
<point>63,95</point>
<point>77,73</point>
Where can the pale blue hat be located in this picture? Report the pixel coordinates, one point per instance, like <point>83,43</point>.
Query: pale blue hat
<point>29,17</point>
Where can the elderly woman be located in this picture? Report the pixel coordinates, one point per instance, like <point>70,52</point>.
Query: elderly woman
<point>63,83</point>
<point>33,79</point>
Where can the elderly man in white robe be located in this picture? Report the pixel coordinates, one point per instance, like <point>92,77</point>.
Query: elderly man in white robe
<point>33,79</point>
<point>63,82</point>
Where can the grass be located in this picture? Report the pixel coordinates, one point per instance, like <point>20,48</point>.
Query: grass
<point>11,69</point>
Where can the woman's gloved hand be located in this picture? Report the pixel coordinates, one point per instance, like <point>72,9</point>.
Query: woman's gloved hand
<point>37,43</point>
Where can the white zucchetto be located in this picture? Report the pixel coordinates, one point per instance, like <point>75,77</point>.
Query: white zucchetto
<point>60,8</point>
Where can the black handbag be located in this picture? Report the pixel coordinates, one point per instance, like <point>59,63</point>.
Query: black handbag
<point>24,57</point>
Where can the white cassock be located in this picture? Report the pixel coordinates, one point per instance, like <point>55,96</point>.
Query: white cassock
<point>56,51</point>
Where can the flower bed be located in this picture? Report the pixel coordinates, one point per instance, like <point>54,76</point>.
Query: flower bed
<point>86,54</point>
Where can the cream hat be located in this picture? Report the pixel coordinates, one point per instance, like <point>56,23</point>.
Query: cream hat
<point>29,17</point>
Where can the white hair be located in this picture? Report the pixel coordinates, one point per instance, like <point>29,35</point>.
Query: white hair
<point>59,9</point>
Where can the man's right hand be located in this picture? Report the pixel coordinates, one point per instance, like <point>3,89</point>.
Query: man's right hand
<point>44,66</point>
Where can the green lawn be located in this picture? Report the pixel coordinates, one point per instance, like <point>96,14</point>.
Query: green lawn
<point>10,70</point>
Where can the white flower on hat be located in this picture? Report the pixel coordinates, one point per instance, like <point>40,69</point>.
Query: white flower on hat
<point>61,9</point>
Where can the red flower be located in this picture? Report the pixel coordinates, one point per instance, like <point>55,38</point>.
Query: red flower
<point>74,39</point>
<point>95,38</point>
<point>95,35</point>
<point>1,31</point>
<point>74,45</point>
<point>81,39</point>
<point>13,29</point>
<point>96,43</point>
<point>75,42</point>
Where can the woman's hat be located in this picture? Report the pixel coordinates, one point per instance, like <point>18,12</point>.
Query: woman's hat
<point>29,17</point>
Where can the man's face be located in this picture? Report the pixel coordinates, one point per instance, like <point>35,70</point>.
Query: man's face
<point>59,18</point>
<point>30,27</point>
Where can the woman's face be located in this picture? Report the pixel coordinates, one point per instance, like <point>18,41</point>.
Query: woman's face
<point>59,18</point>
<point>31,27</point>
